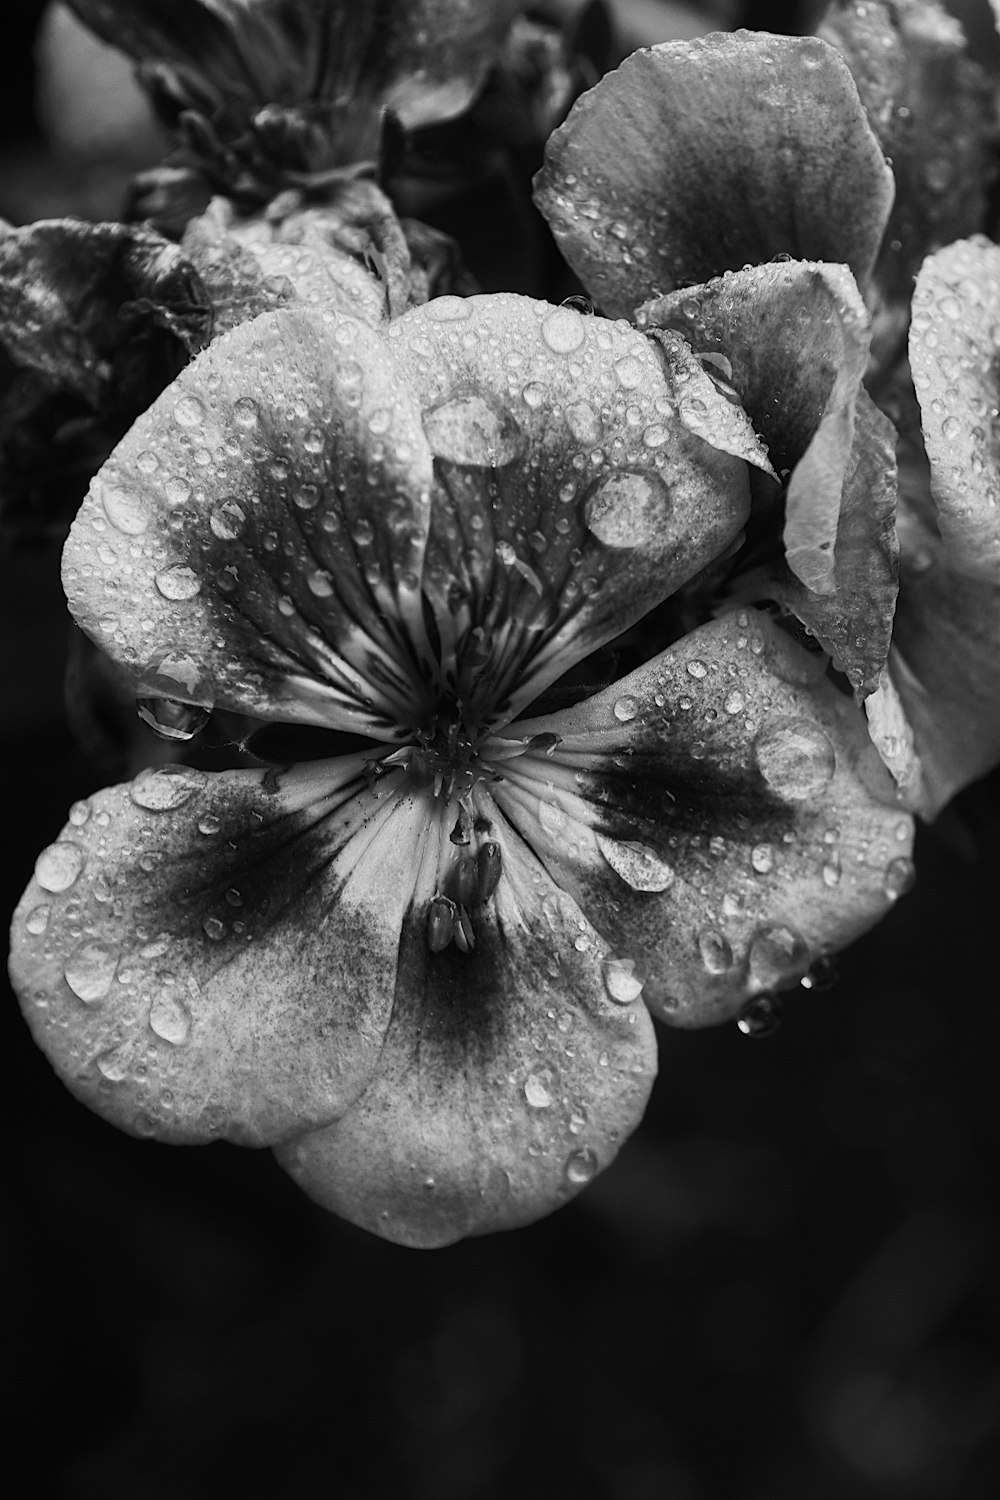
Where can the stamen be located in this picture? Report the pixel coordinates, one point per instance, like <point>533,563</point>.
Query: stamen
<point>440,924</point>
<point>465,881</point>
<point>464,933</point>
<point>489,867</point>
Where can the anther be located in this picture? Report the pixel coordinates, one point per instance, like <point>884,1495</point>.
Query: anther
<point>489,866</point>
<point>440,924</point>
<point>464,933</point>
<point>465,881</point>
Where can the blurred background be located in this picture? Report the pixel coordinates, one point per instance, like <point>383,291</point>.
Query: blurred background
<point>786,1288</point>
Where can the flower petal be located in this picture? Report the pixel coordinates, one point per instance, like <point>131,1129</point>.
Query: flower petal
<point>930,106</point>
<point>509,1076</point>
<point>576,486</point>
<point>954,345</point>
<point>266,519</point>
<point>699,157</point>
<point>793,339</point>
<point>214,955</point>
<point>719,814</point>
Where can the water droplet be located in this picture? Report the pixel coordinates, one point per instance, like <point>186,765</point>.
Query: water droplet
<point>760,1016</point>
<point>697,669</point>
<point>174,695</point>
<point>630,371</point>
<point>169,1018</point>
<point>209,824</point>
<point>90,970</point>
<point>178,582</point>
<point>113,1064</point>
<point>189,412</point>
<point>778,955</point>
<point>832,871</point>
<point>37,919</point>
<point>59,866</point>
<point>553,818</point>
<point>127,513</point>
<point>162,788</point>
<point>79,813</point>
<point>795,758</point>
<point>534,394</point>
<point>214,928</point>
<point>900,875</point>
<point>716,954</point>
<point>564,330</point>
<point>584,422</point>
<point>227,520</point>
<point>621,981</point>
<point>320,584</point>
<point>637,864</point>
<point>762,858</point>
<point>625,709</point>
<point>246,412</point>
<point>628,508</point>
<point>448,309</point>
<point>540,1086</point>
<point>581,1166</point>
<point>474,430</point>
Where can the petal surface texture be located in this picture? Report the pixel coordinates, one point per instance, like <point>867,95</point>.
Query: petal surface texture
<point>327,521</point>
<point>509,1077</point>
<point>695,158</point>
<point>214,955</point>
<point>720,814</point>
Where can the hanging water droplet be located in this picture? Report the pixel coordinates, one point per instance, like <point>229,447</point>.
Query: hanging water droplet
<point>900,875</point>
<point>474,430</point>
<point>564,330</point>
<point>227,520</point>
<point>625,709</point>
<point>189,412</point>
<point>716,954</point>
<point>581,1167</point>
<point>637,864</point>
<point>778,954</point>
<point>59,866</point>
<point>169,1017</point>
<point>162,788</point>
<point>37,919</point>
<point>127,513</point>
<point>175,696</point>
<point>621,981</point>
<point>540,1086</point>
<point>178,583</point>
<point>90,970</point>
<point>795,757</point>
<point>760,1016</point>
<point>628,508</point>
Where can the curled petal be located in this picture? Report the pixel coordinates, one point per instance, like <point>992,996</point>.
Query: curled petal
<point>266,519</point>
<point>930,106</point>
<point>509,1076</point>
<point>205,956</point>
<point>720,814</point>
<point>954,347</point>
<point>700,157</point>
<point>576,484</point>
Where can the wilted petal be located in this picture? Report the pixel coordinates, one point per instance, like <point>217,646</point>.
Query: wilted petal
<point>955,360</point>
<point>931,108</point>
<point>792,340</point>
<point>509,1076</point>
<point>719,814</point>
<point>207,956</point>
<point>699,157</point>
<point>266,518</point>
<point>576,485</point>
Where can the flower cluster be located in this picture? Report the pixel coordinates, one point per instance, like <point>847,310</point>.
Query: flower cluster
<point>582,609</point>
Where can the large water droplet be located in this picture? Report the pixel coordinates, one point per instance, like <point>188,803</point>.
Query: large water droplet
<point>584,422</point>
<point>474,430</point>
<point>900,875</point>
<point>630,371</point>
<point>246,412</point>
<point>716,954</point>
<point>162,788</point>
<point>540,1086</point>
<point>90,970</point>
<point>778,954</point>
<point>227,520</point>
<point>621,981</point>
<point>37,920</point>
<point>581,1166</point>
<point>178,582</point>
<point>760,1016</point>
<point>175,696</point>
<point>169,1017</point>
<point>127,512</point>
<point>59,866</point>
<point>637,864</point>
<point>795,757</point>
<point>189,412</point>
<point>564,330</point>
<point>113,1064</point>
<point>628,508</point>
<point>625,709</point>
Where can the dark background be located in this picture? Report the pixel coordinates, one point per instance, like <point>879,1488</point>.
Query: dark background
<point>785,1289</point>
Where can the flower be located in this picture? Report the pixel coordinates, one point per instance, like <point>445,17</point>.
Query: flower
<point>758,188</point>
<point>417,967</point>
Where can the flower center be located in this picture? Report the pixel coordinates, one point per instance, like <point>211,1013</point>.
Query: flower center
<point>445,754</point>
